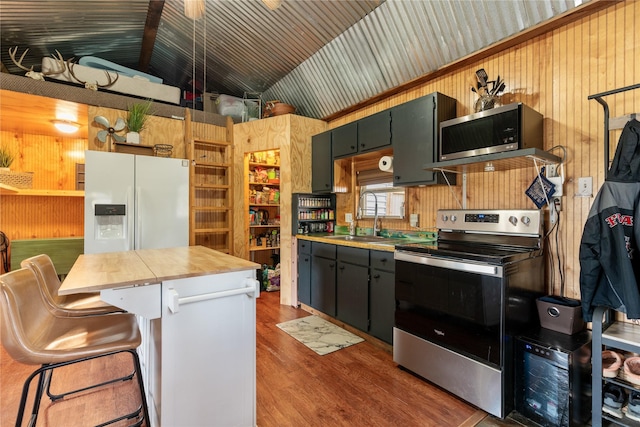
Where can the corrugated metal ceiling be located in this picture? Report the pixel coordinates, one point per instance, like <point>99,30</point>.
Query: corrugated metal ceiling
<point>321,56</point>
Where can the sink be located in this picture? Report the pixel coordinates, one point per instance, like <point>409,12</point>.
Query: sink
<point>366,239</point>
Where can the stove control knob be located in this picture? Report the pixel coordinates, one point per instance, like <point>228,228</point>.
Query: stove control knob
<point>454,218</point>
<point>525,220</point>
<point>445,218</point>
<point>513,220</point>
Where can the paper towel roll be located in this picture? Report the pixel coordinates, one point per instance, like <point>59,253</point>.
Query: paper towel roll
<point>386,164</point>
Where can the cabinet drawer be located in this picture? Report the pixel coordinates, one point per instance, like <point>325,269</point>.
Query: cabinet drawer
<point>325,250</point>
<point>353,255</point>
<point>382,260</point>
<point>304,247</point>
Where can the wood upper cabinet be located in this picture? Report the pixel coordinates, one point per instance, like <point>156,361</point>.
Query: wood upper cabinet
<point>415,135</point>
<point>321,163</point>
<point>374,132</point>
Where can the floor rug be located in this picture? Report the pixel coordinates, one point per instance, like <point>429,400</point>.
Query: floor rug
<point>319,335</point>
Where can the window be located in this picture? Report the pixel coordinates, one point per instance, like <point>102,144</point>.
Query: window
<point>390,200</point>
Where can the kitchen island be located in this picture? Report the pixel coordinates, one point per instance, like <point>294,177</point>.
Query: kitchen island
<point>197,312</point>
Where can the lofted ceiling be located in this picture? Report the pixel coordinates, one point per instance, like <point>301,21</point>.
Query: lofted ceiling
<point>322,56</point>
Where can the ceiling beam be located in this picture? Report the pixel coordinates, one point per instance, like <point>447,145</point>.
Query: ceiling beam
<point>154,13</point>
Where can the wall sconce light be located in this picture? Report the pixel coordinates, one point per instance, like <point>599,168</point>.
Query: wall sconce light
<point>489,167</point>
<point>272,4</point>
<point>66,126</point>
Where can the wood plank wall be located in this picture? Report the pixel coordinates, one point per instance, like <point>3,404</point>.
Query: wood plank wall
<point>53,160</point>
<point>159,130</point>
<point>554,74</point>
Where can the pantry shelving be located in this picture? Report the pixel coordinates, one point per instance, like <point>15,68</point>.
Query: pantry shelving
<point>262,172</point>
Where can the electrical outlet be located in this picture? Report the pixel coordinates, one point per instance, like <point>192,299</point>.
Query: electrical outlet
<point>348,217</point>
<point>557,181</point>
<point>554,209</point>
<point>557,201</point>
<point>413,220</point>
<point>552,170</point>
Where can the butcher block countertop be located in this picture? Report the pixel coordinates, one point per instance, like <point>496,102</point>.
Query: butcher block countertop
<point>96,272</point>
<point>382,245</point>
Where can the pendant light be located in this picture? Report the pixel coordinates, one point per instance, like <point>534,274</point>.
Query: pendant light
<point>272,4</point>
<point>194,9</point>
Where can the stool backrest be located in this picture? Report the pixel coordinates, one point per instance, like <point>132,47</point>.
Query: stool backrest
<point>23,313</point>
<point>47,276</point>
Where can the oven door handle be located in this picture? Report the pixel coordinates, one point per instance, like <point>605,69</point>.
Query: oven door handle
<point>459,265</point>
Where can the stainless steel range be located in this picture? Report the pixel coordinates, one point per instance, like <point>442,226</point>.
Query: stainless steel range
<point>461,302</point>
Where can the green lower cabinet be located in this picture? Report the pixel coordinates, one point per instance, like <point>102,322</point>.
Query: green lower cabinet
<point>382,304</point>
<point>304,278</point>
<point>323,285</point>
<point>353,294</point>
<point>353,285</point>
<point>382,295</point>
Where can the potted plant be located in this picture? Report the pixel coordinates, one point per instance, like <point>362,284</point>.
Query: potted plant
<point>6,158</point>
<point>137,119</point>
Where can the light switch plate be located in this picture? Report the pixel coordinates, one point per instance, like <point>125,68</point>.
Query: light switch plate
<point>585,186</point>
<point>413,220</point>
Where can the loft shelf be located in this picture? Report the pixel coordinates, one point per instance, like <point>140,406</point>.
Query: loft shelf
<point>501,161</point>
<point>124,147</point>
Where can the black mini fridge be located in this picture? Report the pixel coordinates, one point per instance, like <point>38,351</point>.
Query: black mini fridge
<point>553,377</point>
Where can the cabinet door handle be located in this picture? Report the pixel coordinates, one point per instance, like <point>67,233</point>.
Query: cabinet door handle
<point>331,265</point>
<point>306,259</point>
<point>353,147</point>
<point>341,267</point>
<point>376,276</point>
<point>383,260</point>
<point>397,177</point>
<point>363,145</point>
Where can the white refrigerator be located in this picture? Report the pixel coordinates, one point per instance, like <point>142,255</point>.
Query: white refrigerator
<point>135,202</point>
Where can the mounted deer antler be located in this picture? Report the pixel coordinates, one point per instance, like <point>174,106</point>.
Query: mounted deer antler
<point>92,86</point>
<point>37,75</point>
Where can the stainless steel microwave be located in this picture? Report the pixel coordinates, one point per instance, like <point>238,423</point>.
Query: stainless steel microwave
<point>510,127</point>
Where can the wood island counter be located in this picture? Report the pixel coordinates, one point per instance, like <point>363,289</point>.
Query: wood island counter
<point>197,312</point>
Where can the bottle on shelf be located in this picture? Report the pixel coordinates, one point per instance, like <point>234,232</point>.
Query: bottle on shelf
<point>312,213</point>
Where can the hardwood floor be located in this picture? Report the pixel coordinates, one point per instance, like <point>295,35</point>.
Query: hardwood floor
<point>357,386</point>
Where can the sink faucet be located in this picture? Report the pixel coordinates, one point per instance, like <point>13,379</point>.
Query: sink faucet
<point>375,211</point>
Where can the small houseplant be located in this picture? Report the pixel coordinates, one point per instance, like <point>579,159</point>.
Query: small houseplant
<point>137,119</point>
<point>6,158</point>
